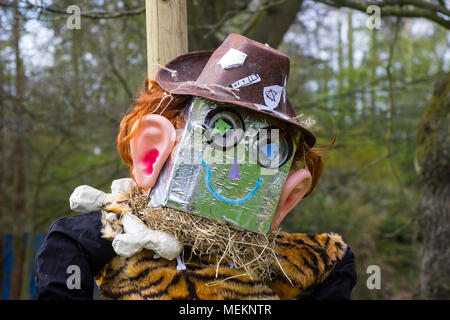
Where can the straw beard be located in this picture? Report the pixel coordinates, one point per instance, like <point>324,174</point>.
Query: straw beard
<point>217,241</point>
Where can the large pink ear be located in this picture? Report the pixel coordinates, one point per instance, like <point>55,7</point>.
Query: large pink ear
<point>295,188</point>
<point>150,147</point>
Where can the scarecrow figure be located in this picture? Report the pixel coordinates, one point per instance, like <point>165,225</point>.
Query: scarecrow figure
<point>218,159</point>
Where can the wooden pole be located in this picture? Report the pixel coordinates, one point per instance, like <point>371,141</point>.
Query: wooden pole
<point>166,32</point>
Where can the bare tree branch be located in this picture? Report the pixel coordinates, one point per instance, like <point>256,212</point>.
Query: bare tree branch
<point>436,12</point>
<point>119,77</point>
<point>87,14</point>
<point>399,8</point>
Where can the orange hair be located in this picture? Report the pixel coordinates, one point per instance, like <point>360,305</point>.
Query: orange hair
<point>149,101</point>
<point>307,158</point>
<point>155,100</point>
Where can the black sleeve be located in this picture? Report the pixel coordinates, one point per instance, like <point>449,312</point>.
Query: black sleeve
<point>71,241</point>
<point>339,283</point>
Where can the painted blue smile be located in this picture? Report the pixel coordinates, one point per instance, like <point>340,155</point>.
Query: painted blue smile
<point>219,197</point>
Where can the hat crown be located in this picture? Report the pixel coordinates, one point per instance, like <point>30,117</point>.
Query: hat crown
<point>256,72</point>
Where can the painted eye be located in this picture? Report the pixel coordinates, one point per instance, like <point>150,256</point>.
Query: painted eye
<point>274,147</point>
<point>225,128</point>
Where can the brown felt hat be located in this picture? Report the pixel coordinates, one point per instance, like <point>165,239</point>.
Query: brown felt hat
<point>242,72</point>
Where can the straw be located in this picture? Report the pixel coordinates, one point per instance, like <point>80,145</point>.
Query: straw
<point>252,253</point>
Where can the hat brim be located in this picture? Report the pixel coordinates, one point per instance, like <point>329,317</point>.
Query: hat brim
<point>187,68</point>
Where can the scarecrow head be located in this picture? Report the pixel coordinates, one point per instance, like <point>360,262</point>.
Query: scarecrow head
<point>216,135</point>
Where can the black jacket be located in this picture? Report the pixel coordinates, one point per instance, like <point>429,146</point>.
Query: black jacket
<point>76,241</point>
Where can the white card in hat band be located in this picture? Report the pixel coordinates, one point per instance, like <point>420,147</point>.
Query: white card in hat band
<point>262,107</point>
<point>232,59</point>
<point>281,115</point>
<point>266,108</point>
<point>251,79</point>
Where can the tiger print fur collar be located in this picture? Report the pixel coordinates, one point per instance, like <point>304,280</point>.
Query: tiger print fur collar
<point>306,259</point>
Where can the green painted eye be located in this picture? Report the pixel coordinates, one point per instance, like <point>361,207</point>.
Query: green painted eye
<point>224,128</point>
<point>273,147</point>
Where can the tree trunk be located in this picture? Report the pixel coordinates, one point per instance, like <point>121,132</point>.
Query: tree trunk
<point>373,71</point>
<point>270,24</point>
<point>18,165</point>
<point>206,19</point>
<point>2,175</point>
<point>75,59</point>
<point>351,69</point>
<point>433,167</point>
<point>340,74</point>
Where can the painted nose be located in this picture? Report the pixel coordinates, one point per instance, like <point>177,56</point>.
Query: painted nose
<point>234,170</point>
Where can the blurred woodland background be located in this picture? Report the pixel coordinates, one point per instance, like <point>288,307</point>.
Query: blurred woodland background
<point>385,188</point>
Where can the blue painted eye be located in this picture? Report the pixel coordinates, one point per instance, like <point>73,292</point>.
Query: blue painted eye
<point>270,150</point>
<point>274,147</point>
<point>224,128</point>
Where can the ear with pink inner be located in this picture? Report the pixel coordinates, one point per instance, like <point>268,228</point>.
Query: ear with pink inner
<point>296,187</point>
<point>150,147</point>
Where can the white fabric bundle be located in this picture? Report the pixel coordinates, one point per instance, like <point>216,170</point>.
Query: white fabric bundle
<point>85,199</point>
<point>136,235</point>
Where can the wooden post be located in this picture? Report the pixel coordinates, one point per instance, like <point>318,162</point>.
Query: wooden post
<point>166,32</point>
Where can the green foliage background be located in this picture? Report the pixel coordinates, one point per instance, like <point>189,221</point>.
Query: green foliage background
<point>372,85</point>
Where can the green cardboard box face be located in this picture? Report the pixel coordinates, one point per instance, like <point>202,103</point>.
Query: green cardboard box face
<point>230,164</point>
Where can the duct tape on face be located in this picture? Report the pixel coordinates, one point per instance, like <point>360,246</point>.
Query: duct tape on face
<point>230,164</point>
